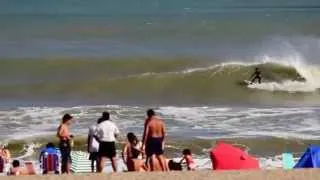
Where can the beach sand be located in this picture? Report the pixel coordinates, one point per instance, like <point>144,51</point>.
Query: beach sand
<point>311,174</point>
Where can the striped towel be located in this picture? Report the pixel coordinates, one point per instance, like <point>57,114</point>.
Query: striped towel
<point>80,162</point>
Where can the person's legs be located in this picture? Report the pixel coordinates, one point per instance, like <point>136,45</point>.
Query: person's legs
<point>92,165</point>
<point>63,165</point>
<point>102,161</point>
<point>259,80</point>
<point>114,163</point>
<point>69,159</point>
<point>65,150</point>
<point>162,162</point>
<point>253,80</point>
<point>68,167</point>
<point>152,163</point>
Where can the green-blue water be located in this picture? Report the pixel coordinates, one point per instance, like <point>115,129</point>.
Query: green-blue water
<point>219,29</point>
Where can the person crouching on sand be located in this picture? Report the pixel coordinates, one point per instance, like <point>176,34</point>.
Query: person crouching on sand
<point>131,153</point>
<point>187,157</point>
<point>65,138</point>
<point>106,134</point>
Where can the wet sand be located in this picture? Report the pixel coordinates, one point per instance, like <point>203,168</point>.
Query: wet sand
<point>313,174</point>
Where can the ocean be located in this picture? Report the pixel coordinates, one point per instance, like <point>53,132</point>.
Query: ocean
<point>186,59</point>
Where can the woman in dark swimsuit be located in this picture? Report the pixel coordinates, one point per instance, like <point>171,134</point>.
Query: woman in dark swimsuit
<point>131,153</point>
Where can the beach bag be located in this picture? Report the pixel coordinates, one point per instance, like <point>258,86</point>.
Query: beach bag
<point>50,163</point>
<point>174,166</point>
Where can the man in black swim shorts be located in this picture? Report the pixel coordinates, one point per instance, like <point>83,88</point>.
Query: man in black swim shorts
<point>154,140</point>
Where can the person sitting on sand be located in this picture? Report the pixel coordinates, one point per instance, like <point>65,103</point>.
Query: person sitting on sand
<point>154,140</point>
<point>131,153</point>
<point>187,157</point>
<point>5,154</point>
<point>65,138</point>
<point>16,170</point>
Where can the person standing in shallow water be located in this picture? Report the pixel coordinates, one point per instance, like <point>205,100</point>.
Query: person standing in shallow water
<point>106,134</point>
<point>65,138</point>
<point>154,140</point>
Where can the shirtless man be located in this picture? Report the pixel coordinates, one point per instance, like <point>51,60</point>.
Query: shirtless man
<point>154,140</point>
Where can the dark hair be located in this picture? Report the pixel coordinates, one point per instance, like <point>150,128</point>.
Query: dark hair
<point>66,118</point>
<point>50,145</point>
<point>105,116</point>
<point>15,163</point>
<point>150,113</point>
<point>186,152</point>
<point>131,137</point>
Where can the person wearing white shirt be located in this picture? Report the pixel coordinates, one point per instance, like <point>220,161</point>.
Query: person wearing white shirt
<point>93,147</point>
<point>107,133</point>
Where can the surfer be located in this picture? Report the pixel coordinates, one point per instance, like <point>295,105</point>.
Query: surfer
<point>256,76</point>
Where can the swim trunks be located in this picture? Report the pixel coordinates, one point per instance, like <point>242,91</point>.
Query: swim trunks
<point>154,146</point>
<point>107,149</point>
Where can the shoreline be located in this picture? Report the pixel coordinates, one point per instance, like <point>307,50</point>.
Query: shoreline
<point>301,174</point>
<point>260,146</point>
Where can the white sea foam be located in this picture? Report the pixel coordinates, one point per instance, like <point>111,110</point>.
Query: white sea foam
<point>310,72</point>
<point>208,122</point>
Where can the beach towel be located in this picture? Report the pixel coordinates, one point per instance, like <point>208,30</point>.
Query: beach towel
<point>80,162</point>
<point>287,161</point>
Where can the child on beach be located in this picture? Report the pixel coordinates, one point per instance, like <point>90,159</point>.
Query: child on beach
<point>131,153</point>
<point>16,170</point>
<point>187,157</point>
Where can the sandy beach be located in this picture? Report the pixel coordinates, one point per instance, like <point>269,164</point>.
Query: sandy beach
<point>200,175</point>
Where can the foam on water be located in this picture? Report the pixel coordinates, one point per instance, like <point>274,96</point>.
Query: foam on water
<point>311,73</point>
<point>207,122</point>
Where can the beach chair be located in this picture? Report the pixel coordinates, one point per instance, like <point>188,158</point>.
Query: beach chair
<point>287,161</point>
<point>50,163</point>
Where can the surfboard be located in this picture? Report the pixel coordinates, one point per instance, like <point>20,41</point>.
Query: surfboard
<point>247,82</point>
